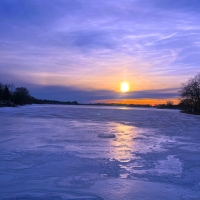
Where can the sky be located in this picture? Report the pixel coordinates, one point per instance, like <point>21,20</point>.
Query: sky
<point>81,50</point>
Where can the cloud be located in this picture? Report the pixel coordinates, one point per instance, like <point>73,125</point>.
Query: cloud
<point>155,94</point>
<point>183,5</point>
<point>99,43</point>
<point>86,96</point>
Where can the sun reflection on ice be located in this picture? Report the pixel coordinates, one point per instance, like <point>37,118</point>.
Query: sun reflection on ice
<point>122,147</point>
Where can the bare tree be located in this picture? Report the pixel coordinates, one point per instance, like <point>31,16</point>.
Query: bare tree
<point>169,103</point>
<point>22,96</point>
<point>6,93</point>
<point>190,93</point>
<point>1,91</point>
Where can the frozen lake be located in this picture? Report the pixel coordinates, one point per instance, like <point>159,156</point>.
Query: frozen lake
<point>95,153</point>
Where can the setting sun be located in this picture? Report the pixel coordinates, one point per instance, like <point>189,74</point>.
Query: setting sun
<point>124,87</point>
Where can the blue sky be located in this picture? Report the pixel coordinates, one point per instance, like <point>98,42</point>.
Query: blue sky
<point>83,49</point>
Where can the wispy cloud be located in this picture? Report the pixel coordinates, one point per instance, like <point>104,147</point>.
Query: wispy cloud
<point>88,45</point>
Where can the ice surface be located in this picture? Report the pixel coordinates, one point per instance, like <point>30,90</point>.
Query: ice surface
<point>90,152</point>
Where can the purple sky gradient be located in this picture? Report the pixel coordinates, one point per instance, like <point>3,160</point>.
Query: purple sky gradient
<point>83,49</point>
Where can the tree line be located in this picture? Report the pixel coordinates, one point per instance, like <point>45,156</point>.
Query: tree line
<point>11,96</point>
<point>190,95</point>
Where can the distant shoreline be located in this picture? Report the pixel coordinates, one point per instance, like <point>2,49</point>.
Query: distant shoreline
<point>176,107</point>
<point>190,113</point>
<point>51,102</point>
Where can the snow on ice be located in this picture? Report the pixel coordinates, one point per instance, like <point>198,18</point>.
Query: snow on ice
<point>94,153</point>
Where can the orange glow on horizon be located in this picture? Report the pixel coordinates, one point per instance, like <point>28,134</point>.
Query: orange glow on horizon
<point>137,101</point>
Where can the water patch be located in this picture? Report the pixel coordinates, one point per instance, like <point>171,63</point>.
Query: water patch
<point>108,135</point>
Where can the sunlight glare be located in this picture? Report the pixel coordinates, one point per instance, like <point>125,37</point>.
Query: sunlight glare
<point>124,87</point>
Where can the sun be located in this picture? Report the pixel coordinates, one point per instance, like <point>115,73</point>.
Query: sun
<point>124,87</point>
